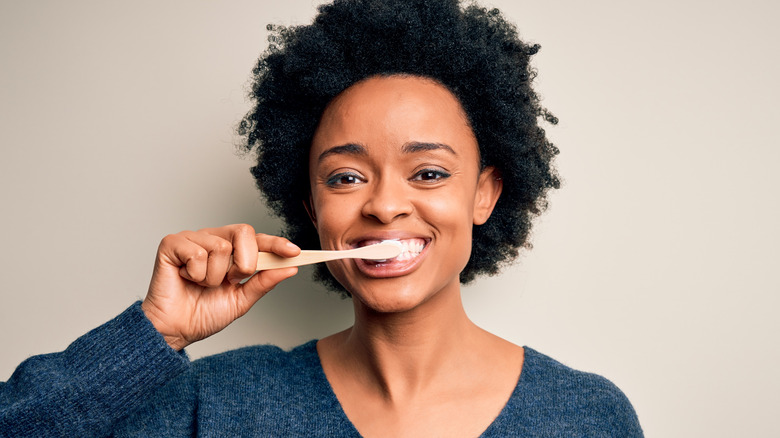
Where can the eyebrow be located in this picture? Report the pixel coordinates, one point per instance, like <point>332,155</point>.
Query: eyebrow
<point>416,146</point>
<point>349,148</point>
<point>408,148</point>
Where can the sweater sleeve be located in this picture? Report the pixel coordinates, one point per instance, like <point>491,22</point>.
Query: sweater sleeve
<point>100,379</point>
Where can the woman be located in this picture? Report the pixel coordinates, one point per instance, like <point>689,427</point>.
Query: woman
<point>406,120</point>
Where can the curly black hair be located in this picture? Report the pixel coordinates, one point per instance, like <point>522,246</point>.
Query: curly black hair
<point>472,51</point>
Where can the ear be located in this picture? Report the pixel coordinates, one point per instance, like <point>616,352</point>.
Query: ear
<point>489,189</point>
<point>309,206</point>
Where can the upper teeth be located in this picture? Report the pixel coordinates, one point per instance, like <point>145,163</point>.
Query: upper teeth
<point>412,248</point>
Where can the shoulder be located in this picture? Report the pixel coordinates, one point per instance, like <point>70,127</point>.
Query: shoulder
<point>568,402</point>
<point>543,372</point>
<point>260,361</point>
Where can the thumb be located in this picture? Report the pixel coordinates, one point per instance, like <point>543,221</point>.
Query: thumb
<point>260,284</point>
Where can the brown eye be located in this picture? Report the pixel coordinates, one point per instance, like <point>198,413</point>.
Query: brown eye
<point>430,175</point>
<point>343,179</point>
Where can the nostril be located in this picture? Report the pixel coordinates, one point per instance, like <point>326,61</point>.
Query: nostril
<point>386,213</point>
<point>387,201</point>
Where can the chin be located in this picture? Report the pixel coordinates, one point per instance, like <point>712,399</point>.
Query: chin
<point>396,295</point>
<point>388,302</point>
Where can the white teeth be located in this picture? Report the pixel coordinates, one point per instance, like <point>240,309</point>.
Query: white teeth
<point>411,248</point>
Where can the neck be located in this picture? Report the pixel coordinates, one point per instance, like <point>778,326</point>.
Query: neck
<point>402,353</point>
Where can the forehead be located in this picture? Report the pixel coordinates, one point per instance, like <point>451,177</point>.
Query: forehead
<point>392,111</point>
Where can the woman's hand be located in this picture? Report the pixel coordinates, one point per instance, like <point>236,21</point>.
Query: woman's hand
<point>195,289</point>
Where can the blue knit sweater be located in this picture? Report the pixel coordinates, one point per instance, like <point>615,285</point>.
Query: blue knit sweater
<point>122,380</point>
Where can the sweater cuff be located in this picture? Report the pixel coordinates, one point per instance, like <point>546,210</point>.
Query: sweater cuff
<point>124,361</point>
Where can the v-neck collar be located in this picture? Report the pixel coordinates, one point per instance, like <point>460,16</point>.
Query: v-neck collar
<point>310,350</point>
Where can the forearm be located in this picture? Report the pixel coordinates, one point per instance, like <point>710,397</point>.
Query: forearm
<point>99,379</point>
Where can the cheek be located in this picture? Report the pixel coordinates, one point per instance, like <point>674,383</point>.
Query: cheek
<point>445,205</point>
<point>334,216</point>
<point>452,211</point>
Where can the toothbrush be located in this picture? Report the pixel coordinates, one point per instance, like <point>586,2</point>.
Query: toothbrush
<point>386,249</point>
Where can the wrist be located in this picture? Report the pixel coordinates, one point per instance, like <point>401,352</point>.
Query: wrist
<point>176,342</point>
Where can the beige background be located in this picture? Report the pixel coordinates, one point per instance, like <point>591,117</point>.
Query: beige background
<point>654,265</point>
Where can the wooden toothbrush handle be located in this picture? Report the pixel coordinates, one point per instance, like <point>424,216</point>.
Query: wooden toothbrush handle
<point>267,260</point>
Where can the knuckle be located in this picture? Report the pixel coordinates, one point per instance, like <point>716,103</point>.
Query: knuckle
<point>223,247</point>
<point>168,239</point>
<point>200,254</point>
<point>244,230</point>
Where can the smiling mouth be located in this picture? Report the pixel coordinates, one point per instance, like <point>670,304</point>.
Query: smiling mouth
<point>411,249</point>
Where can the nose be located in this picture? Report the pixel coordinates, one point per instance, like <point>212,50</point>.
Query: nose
<point>388,201</point>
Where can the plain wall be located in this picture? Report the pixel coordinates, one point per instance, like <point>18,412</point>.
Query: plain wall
<point>653,265</point>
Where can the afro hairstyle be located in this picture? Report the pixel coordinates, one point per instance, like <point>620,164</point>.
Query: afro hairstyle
<point>472,51</point>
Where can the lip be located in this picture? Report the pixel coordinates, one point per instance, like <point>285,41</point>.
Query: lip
<point>392,267</point>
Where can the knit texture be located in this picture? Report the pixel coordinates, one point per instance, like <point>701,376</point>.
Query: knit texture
<point>97,380</point>
<point>122,380</point>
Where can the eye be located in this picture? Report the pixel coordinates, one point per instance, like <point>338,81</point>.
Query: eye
<point>430,175</point>
<point>344,179</point>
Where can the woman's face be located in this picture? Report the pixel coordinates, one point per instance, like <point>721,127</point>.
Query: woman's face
<point>394,158</point>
